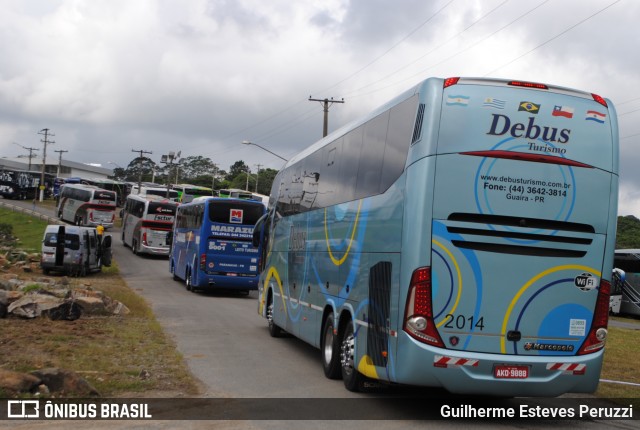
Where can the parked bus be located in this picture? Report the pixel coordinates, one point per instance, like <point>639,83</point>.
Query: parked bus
<point>235,193</point>
<point>212,244</point>
<point>122,189</point>
<point>460,236</point>
<point>245,195</point>
<point>625,294</point>
<point>22,184</point>
<point>146,224</point>
<point>155,190</point>
<point>187,192</point>
<point>86,205</point>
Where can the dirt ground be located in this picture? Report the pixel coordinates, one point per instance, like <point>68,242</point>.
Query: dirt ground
<point>118,355</point>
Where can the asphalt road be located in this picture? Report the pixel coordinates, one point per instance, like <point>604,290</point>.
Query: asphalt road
<point>227,347</point>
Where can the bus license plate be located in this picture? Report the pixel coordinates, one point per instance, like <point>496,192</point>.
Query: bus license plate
<point>511,372</point>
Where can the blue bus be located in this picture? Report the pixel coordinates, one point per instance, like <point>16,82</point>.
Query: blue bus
<point>460,236</point>
<point>212,244</point>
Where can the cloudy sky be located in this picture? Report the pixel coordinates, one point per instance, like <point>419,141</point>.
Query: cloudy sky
<point>200,76</point>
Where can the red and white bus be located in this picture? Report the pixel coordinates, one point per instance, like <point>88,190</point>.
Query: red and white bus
<point>87,205</point>
<point>146,223</point>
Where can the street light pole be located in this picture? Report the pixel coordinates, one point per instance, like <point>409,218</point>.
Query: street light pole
<point>246,142</point>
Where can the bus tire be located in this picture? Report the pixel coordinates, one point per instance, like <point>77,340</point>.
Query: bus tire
<point>187,280</point>
<point>330,348</point>
<point>351,378</point>
<point>172,269</point>
<point>274,330</point>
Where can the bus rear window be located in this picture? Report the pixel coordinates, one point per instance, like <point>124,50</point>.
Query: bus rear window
<point>105,195</point>
<point>235,212</point>
<point>161,209</point>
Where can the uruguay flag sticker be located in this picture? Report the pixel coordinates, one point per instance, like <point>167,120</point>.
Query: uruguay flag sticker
<point>596,116</point>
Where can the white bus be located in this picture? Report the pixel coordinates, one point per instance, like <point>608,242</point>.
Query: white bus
<point>147,190</point>
<point>146,223</point>
<point>87,205</point>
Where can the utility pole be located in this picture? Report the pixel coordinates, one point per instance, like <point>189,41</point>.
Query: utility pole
<point>141,151</point>
<point>30,153</point>
<point>45,132</point>
<point>326,103</point>
<point>257,175</point>
<point>60,161</point>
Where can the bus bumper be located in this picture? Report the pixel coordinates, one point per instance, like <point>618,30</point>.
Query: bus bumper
<point>155,250</point>
<point>221,282</point>
<point>474,373</point>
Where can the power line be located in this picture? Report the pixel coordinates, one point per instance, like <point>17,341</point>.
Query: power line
<point>554,37</point>
<point>326,103</point>
<point>30,152</point>
<point>436,48</point>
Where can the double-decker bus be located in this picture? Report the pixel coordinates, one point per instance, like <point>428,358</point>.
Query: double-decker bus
<point>460,236</point>
<point>147,222</point>
<point>87,205</point>
<point>187,192</point>
<point>212,244</point>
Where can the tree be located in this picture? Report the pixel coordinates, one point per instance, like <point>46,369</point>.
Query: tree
<point>196,166</point>
<point>265,180</point>
<point>119,174</point>
<point>628,235</point>
<point>140,167</point>
<point>238,168</point>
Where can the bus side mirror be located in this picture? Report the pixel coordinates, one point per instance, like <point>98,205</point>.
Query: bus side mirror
<point>106,241</point>
<point>258,230</point>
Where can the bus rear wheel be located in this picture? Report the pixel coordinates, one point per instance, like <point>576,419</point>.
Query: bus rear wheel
<point>274,330</point>
<point>330,349</point>
<point>187,280</point>
<point>350,376</point>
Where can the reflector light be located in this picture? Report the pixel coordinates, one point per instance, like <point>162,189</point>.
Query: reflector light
<point>450,81</point>
<point>528,85</point>
<point>600,100</point>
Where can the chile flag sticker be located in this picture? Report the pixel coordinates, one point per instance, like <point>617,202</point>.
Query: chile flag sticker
<point>236,216</point>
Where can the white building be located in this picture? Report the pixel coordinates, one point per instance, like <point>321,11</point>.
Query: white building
<point>68,169</point>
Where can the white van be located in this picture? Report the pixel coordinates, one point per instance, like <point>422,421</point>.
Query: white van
<point>74,250</point>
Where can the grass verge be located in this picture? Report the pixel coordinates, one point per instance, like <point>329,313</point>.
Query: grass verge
<point>119,355</point>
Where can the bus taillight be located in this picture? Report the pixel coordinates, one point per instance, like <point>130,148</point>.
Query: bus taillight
<point>144,238</point>
<point>598,334</point>
<point>418,315</point>
<point>203,261</point>
<point>450,81</point>
<point>599,99</point>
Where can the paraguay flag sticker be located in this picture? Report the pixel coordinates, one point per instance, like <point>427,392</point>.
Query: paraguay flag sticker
<point>594,115</point>
<point>236,216</point>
